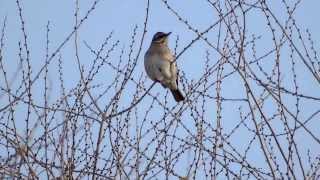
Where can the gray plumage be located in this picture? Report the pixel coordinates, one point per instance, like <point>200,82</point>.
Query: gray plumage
<point>159,67</point>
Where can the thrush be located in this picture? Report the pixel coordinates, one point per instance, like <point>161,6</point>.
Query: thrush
<point>160,64</point>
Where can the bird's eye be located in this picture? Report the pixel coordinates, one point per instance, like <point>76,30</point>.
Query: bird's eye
<point>159,37</point>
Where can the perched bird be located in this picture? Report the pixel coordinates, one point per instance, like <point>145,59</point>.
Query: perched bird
<point>160,66</point>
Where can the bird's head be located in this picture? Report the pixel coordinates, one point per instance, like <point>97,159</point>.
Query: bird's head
<point>161,38</point>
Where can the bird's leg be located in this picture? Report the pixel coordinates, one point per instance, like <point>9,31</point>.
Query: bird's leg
<point>158,81</point>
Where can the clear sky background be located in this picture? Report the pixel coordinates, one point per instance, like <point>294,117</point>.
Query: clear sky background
<point>121,17</point>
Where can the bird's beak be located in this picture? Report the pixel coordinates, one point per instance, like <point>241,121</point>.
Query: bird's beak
<point>168,34</point>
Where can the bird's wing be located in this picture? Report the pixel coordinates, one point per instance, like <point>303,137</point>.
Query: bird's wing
<point>151,67</point>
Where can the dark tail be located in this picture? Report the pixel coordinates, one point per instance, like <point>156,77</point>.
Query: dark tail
<point>177,95</point>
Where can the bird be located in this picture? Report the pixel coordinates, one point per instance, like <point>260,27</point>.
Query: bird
<point>160,64</point>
